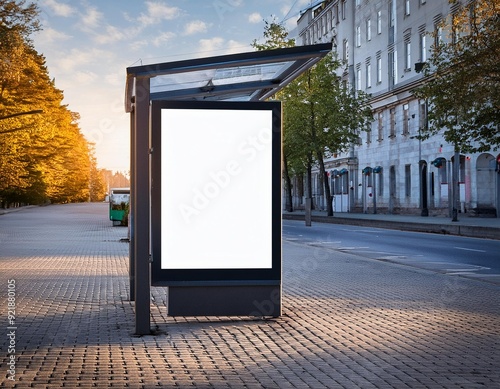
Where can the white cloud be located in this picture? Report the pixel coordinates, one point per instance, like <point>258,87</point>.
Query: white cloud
<point>255,18</point>
<point>78,59</point>
<point>162,38</point>
<point>92,17</point>
<point>111,35</point>
<point>233,47</point>
<point>49,35</point>
<point>235,3</point>
<point>115,79</point>
<point>84,78</point>
<point>137,45</point>
<point>219,46</point>
<point>196,26</point>
<point>213,44</point>
<point>158,12</point>
<point>59,9</point>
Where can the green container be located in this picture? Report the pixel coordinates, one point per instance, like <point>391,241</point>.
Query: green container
<point>119,201</point>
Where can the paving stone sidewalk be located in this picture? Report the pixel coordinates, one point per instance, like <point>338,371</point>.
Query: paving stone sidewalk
<point>347,322</point>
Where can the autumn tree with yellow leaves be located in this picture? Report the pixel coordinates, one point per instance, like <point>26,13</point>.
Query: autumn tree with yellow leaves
<point>43,155</point>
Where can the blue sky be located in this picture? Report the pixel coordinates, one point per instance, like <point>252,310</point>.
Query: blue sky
<point>88,45</point>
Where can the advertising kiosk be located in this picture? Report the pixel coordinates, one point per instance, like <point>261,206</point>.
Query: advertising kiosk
<point>206,182</point>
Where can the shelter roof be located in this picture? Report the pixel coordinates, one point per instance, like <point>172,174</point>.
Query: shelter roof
<point>249,76</point>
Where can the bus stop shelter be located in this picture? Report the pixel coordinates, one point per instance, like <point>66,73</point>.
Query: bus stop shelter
<point>239,78</point>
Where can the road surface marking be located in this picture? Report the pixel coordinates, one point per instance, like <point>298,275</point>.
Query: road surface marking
<point>466,249</point>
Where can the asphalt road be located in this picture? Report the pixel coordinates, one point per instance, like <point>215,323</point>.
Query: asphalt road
<point>453,255</point>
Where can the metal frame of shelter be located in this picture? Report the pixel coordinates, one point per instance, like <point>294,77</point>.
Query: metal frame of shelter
<point>251,76</point>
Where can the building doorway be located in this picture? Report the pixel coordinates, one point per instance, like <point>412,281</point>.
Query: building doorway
<point>487,185</point>
<point>392,188</point>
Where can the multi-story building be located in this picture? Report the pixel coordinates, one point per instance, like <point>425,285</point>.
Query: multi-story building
<point>384,44</point>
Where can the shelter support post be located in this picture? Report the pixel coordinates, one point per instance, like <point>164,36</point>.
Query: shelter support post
<point>141,208</point>
<point>131,262</point>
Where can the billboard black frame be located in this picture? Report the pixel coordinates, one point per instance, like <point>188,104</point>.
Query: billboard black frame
<point>216,277</point>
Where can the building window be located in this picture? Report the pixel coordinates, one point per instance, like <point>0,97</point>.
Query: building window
<point>408,180</point>
<point>343,9</point>
<point>407,55</point>
<point>422,115</point>
<point>358,2</point>
<point>407,7</point>
<point>358,36</point>
<point>392,124</point>
<point>380,126</point>
<point>392,14</point>
<point>442,173</point>
<point>393,64</point>
<point>380,183</point>
<point>438,34</point>
<point>368,29</point>
<point>358,76</point>
<point>406,119</point>
<point>379,22</point>
<point>345,54</point>
<point>423,47</point>
<point>368,75</point>
<point>379,70</point>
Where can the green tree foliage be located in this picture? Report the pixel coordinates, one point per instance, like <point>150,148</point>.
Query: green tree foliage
<point>276,37</point>
<point>43,155</point>
<point>97,184</point>
<point>324,116</point>
<point>321,115</point>
<point>463,78</point>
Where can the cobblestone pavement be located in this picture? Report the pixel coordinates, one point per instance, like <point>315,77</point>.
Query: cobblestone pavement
<point>347,322</point>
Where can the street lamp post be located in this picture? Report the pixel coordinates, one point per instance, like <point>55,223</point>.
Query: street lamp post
<point>376,170</point>
<point>456,187</point>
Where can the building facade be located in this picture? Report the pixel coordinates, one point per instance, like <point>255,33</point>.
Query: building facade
<point>385,43</point>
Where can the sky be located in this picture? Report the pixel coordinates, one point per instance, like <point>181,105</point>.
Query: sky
<point>88,44</point>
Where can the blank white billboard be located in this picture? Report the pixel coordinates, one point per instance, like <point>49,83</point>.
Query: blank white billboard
<point>216,188</point>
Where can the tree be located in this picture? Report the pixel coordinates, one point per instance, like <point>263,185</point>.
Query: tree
<point>276,36</point>
<point>321,116</point>
<point>19,16</point>
<point>326,115</point>
<point>462,79</point>
<point>43,157</point>
<point>97,180</point>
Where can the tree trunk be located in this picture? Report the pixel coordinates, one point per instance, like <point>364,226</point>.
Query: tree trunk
<point>328,196</point>
<point>288,187</point>
<point>309,181</point>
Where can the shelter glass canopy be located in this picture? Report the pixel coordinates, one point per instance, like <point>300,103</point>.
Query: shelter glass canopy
<point>248,76</point>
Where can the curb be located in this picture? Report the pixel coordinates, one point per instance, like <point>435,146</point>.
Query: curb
<point>459,230</point>
<point>16,209</point>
